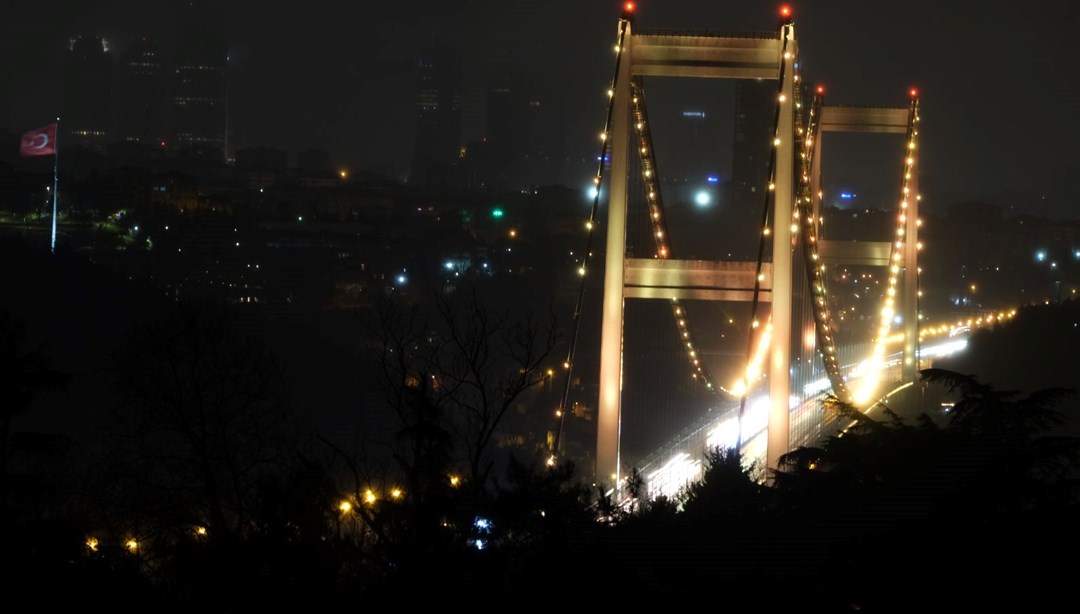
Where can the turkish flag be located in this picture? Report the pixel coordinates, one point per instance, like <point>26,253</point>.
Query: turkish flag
<point>40,142</point>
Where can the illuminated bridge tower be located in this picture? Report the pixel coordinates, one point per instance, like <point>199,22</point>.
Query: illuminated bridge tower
<point>714,57</point>
<point>881,120</point>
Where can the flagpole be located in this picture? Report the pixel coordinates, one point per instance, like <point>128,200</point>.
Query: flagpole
<point>56,181</point>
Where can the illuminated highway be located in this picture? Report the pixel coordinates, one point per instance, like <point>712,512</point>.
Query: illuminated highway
<point>680,461</point>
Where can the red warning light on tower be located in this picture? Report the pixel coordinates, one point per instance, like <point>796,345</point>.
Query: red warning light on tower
<point>913,92</point>
<point>785,13</point>
<point>628,7</point>
<point>821,89</point>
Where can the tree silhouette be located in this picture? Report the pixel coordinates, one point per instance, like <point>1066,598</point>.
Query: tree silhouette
<point>999,414</point>
<point>726,488</point>
<point>24,374</point>
<point>460,374</point>
<point>202,417</point>
<point>967,492</point>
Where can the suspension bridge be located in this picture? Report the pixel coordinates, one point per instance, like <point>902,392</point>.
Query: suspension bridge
<point>795,351</point>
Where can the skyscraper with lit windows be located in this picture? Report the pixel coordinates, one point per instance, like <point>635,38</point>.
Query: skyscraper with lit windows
<point>86,117</point>
<point>438,118</point>
<point>141,94</point>
<point>199,81</point>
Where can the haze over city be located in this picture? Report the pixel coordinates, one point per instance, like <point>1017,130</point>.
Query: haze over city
<point>339,303</point>
<point>341,77</point>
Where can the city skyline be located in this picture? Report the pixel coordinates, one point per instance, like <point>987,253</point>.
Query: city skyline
<point>343,81</point>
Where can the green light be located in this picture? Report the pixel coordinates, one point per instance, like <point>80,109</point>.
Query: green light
<point>496,212</point>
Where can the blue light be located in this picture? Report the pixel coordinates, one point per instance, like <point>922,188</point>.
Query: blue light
<point>702,198</point>
<point>449,265</point>
<point>593,191</point>
<point>712,179</point>
<point>846,195</point>
<point>1040,255</point>
<point>483,524</point>
<point>401,279</point>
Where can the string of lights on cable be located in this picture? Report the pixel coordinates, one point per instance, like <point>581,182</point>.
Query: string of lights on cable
<point>590,227</point>
<point>804,210</point>
<point>650,177</point>
<point>871,379</point>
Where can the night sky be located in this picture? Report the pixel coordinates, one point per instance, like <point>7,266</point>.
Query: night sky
<point>998,77</point>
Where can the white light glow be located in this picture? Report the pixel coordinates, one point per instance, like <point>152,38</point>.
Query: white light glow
<point>678,472</point>
<point>943,349</point>
<point>816,386</point>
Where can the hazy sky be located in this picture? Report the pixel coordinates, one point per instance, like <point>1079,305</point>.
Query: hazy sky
<point>999,77</point>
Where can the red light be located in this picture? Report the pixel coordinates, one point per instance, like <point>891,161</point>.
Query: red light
<point>785,11</point>
<point>821,89</point>
<point>913,92</point>
<point>629,7</point>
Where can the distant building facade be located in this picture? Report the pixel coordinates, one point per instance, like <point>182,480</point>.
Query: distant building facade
<point>438,121</point>
<point>86,117</point>
<point>141,100</point>
<point>199,82</point>
<point>755,103</point>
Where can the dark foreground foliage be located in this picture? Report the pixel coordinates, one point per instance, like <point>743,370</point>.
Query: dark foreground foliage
<point>207,498</point>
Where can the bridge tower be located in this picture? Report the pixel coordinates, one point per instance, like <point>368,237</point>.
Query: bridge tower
<point>880,120</point>
<point>643,54</point>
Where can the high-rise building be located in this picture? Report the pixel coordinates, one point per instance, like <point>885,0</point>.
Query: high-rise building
<point>510,154</point>
<point>541,142</point>
<point>755,111</point>
<point>517,76</point>
<point>501,126</point>
<point>199,113</point>
<point>755,108</point>
<point>438,127</point>
<point>141,95</point>
<point>86,117</point>
<point>693,129</point>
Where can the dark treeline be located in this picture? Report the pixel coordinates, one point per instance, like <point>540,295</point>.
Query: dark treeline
<point>198,486</point>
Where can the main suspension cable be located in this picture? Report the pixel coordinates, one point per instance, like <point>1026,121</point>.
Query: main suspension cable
<point>590,226</point>
<point>650,175</point>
